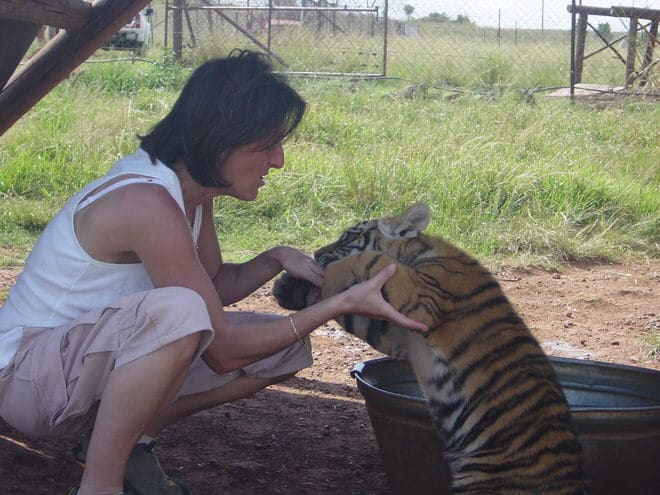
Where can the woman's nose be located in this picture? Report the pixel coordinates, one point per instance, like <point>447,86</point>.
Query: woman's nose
<point>276,158</point>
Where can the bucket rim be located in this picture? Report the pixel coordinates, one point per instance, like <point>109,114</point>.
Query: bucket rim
<point>611,413</point>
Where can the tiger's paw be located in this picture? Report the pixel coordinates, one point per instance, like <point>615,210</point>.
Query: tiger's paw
<point>294,293</point>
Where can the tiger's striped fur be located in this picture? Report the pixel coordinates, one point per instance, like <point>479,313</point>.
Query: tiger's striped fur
<point>493,395</point>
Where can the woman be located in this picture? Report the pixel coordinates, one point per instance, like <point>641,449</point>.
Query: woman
<point>116,323</point>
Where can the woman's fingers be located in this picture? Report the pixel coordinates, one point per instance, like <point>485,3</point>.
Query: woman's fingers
<point>403,321</point>
<point>384,275</point>
<point>300,265</point>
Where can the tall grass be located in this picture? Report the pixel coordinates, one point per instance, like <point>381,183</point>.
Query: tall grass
<point>512,180</point>
<point>434,57</point>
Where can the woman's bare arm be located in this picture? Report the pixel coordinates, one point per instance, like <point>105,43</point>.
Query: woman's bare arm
<point>235,281</point>
<point>147,221</point>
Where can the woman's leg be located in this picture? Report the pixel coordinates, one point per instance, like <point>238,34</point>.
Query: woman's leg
<point>133,394</point>
<point>204,389</point>
<point>238,388</point>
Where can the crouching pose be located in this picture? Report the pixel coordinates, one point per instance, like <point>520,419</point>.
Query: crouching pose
<point>116,325</point>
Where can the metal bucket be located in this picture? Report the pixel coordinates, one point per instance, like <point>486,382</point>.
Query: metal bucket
<point>615,408</point>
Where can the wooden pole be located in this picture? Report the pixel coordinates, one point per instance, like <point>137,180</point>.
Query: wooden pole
<point>167,24</point>
<point>630,57</point>
<point>581,41</point>
<point>62,55</point>
<point>650,45</point>
<point>571,9</point>
<point>177,29</point>
<point>15,39</point>
<point>64,14</point>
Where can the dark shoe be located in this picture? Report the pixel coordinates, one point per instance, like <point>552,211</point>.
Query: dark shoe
<point>144,474</point>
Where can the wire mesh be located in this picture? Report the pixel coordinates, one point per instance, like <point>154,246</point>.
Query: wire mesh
<point>484,44</point>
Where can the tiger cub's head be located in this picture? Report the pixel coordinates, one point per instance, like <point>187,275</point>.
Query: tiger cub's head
<point>385,235</point>
<point>390,235</point>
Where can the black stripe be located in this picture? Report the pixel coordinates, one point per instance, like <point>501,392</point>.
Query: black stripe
<point>372,263</point>
<point>375,330</point>
<point>479,307</point>
<point>515,426</point>
<point>495,354</point>
<point>463,259</point>
<point>440,410</point>
<point>477,333</point>
<point>348,323</point>
<point>565,453</point>
<point>514,379</point>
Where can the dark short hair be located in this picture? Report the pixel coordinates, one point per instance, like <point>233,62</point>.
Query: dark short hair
<point>226,103</point>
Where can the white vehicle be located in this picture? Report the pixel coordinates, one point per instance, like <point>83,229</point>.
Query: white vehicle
<point>135,35</point>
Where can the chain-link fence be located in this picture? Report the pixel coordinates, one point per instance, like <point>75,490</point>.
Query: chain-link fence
<point>503,44</point>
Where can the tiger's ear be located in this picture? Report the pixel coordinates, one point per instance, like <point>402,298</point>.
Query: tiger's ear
<point>407,225</point>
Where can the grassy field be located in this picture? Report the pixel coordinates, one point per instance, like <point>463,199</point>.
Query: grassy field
<point>512,179</point>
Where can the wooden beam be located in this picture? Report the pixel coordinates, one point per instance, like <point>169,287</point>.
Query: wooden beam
<point>64,14</point>
<point>648,14</point>
<point>632,46</point>
<point>62,55</point>
<point>583,22</point>
<point>15,39</point>
<point>584,9</point>
<point>648,53</point>
<point>177,30</point>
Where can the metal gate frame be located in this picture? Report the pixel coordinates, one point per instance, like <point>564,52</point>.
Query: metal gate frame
<point>635,15</point>
<point>180,9</point>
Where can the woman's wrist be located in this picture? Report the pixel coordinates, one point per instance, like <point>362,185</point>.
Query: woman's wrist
<point>339,304</point>
<point>295,331</point>
<point>306,320</point>
<point>274,260</point>
<point>277,254</point>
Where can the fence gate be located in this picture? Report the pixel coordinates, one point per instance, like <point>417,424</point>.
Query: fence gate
<point>303,36</point>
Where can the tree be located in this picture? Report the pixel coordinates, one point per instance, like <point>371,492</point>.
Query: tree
<point>604,29</point>
<point>408,10</point>
<point>435,17</point>
<point>462,19</point>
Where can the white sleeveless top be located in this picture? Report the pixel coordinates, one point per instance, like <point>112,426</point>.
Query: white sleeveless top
<point>60,281</point>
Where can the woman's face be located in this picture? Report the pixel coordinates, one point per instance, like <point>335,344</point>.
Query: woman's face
<point>246,168</point>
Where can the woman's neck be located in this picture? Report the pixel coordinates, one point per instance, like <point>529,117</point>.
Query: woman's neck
<point>194,194</point>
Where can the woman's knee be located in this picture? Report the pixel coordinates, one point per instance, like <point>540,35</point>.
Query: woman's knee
<point>175,298</point>
<point>177,307</point>
<point>178,315</point>
<point>187,346</point>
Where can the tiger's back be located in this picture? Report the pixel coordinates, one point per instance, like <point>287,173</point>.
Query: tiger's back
<point>493,395</point>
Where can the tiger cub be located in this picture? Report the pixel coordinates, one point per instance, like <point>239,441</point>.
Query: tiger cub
<point>493,395</point>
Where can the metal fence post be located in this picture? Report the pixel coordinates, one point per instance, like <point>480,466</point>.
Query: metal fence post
<point>177,29</point>
<point>385,17</point>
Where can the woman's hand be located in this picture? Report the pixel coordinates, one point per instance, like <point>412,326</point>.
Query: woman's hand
<point>300,265</point>
<point>367,299</point>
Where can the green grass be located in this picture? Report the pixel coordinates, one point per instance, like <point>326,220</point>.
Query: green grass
<point>512,180</point>
<point>652,344</point>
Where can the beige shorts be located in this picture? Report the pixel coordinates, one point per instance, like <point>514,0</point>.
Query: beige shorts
<point>57,377</point>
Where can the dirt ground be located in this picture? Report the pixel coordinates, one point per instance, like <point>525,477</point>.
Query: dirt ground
<point>312,434</point>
